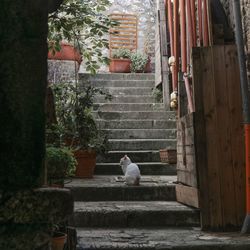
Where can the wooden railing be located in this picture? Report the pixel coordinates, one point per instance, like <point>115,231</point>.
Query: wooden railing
<point>125,34</point>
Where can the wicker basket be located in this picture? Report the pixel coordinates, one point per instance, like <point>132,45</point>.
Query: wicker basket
<point>168,156</point>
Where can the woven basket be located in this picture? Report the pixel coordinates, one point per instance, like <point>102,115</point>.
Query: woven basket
<point>168,156</point>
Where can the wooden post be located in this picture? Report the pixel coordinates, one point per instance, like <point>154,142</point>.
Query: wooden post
<point>164,53</point>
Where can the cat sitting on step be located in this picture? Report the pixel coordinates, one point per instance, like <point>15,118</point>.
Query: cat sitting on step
<point>131,171</point>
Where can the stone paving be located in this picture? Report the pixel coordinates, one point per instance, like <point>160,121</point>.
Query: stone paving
<point>155,238</point>
<point>117,181</point>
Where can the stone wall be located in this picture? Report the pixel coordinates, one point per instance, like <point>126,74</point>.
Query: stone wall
<point>245,4</point>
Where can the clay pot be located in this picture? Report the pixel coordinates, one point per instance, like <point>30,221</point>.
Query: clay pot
<point>148,68</point>
<point>86,161</point>
<point>58,241</point>
<point>120,65</point>
<point>67,52</point>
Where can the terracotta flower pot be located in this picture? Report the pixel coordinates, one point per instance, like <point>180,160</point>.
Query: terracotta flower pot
<point>120,65</point>
<point>148,68</point>
<point>86,161</point>
<point>58,241</point>
<point>67,52</point>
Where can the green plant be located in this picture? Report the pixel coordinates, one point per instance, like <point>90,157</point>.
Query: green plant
<point>76,123</point>
<point>60,162</point>
<point>157,95</point>
<point>85,24</point>
<point>121,53</point>
<point>138,61</point>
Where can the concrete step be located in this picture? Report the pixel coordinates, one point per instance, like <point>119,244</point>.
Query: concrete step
<point>135,156</point>
<point>159,238</point>
<point>141,133</point>
<point>117,76</point>
<point>106,107</point>
<point>125,99</point>
<point>141,144</point>
<point>141,115</point>
<point>112,188</point>
<point>146,168</point>
<point>129,91</point>
<point>121,83</point>
<point>136,124</point>
<point>134,214</point>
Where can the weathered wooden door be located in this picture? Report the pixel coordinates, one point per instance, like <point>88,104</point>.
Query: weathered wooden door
<point>211,164</point>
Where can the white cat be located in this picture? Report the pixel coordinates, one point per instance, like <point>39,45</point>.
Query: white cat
<point>131,171</point>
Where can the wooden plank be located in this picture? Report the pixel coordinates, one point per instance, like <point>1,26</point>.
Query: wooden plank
<point>223,138</point>
<point>158,71</point>
<point>124,47</point>
<point>200,138</point>
<point>117,43</point>
<point>163,28</point>
<point>122,35</point>
<point>237,132</point>
<point>187,195</point>
<point>186,165</point>
<point>213,162</point>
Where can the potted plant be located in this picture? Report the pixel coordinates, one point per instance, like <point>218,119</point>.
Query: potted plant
<point>80,132</point>
<point>65,51</point>
<point>60,163</point>
<point>120,61</point>
<point>139,62</point>
<point>58,238</point>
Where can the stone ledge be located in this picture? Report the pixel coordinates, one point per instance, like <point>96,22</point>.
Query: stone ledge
<point>43,205</point>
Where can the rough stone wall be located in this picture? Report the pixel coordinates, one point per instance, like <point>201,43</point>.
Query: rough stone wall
<point>62,71</point>
<point>245,4</point>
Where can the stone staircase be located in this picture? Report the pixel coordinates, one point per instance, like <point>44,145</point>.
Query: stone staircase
<point>135,124</point>
<point>139,128</point>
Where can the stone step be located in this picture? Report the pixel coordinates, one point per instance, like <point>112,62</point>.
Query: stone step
<point>135,156</point>
<point>141,144</point>
<point>143,214</point>
<point>117,76</point>
<point>159,238</point>
<point>129,91</point>
<point>146,168</point>
<point>136,124</point>
<point>141,115</point>
<point>141,133</point>
<point>125,99</point>
<point>106,107</point>
<point>112,188</point>
<point>121,83</point>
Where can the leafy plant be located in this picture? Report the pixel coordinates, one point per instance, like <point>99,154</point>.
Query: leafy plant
<point>121,53</point>
<point>138,61</point>
<point>157,95</point>
<point>60,162</point>
<point>83,23</point>
<point>76,123</point>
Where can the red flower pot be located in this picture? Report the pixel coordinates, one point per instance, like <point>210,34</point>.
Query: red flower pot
<point>67,52</point>
<point>86,161</point>
<point>119,65</point>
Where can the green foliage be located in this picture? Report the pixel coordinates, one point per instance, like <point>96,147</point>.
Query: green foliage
<point>158,95</point>
<point>60,162</point>
<point>74,115</point>
<point>83,23</point>
<point>121,53</point>
<point>138,61</point>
